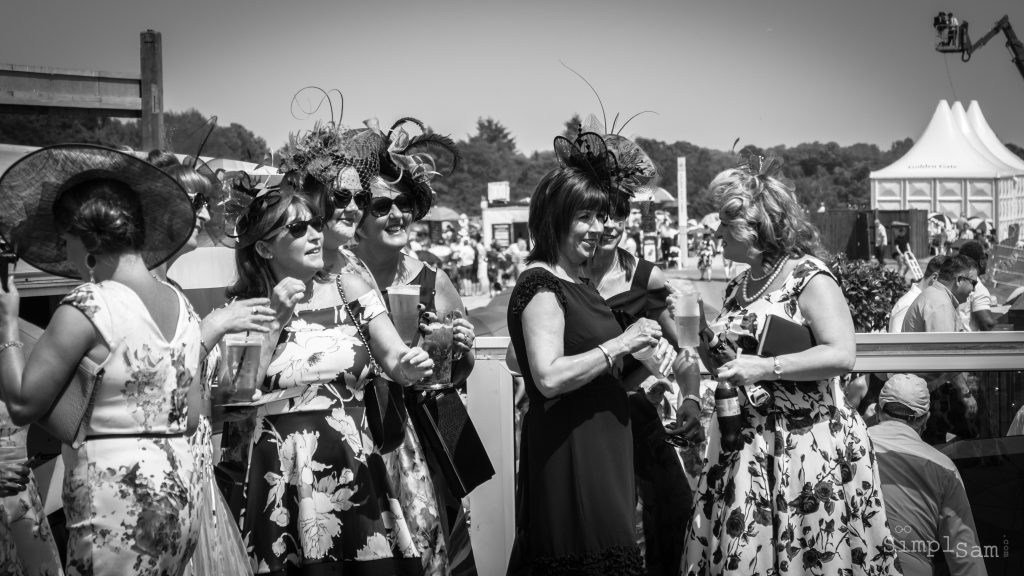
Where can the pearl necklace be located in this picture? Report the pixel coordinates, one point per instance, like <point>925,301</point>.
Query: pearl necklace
<point>771,279</point>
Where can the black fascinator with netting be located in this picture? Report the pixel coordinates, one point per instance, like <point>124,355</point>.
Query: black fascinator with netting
<point>409,163</point>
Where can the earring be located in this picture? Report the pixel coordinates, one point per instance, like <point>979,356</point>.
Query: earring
<point>90,263</point>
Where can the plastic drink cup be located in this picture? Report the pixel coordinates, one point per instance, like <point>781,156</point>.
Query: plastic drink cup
<point>403,301</point>
<point>687,315</point>
<point>239,366</point>
<point>651,360</point>
<point>438,344</point>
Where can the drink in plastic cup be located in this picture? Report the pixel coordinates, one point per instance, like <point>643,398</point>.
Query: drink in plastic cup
<point>438,344</point>
<point>403,301</point>
<point>687,314</point>
<point>650,360</point>
<point>239,365</point>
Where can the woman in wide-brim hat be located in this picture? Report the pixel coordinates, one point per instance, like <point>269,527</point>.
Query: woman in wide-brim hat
<point>130,490</point>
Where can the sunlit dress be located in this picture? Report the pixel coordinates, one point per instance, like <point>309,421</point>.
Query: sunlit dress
<point>27,545</point>
<point>803,495</point>
<point>131,490</point>
<point>317,497</point>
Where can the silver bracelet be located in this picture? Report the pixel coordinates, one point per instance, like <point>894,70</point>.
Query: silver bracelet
<point>11,344</point>
<point>607,356</point>
<point>693,397</point>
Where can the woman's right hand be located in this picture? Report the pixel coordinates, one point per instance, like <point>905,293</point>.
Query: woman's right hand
<point>10,303</point>
<point>13,477</point>
<point>252,315</point>
<point>285,296</point>
<point>640,334</point>
<point>414,365</point>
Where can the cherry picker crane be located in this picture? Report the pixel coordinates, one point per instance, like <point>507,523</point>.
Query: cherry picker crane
<point>953,37</point>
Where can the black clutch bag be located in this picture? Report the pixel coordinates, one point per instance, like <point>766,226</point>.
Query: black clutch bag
<point>444,427</point>
<point>384,399</point>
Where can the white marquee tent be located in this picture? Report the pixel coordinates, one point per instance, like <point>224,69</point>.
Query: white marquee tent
<point>958,167</point>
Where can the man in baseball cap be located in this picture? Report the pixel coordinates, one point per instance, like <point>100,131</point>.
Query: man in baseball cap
<point>924,497</point>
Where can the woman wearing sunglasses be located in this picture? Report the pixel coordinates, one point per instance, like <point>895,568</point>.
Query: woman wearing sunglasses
<point>400,194</point>
<point>317,498</point>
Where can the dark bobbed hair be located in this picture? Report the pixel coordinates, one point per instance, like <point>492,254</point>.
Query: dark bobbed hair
<point>104,213</point>
<point>162,159</point>
<point>956,266</point>
<point>763,210</point>
<point>255,279</point>
<point>560,194</point>
<point>192,181</point>
<point>318,193</point>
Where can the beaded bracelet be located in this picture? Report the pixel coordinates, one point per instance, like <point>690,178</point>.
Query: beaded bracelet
<point>11,344</point>
<point>607,356</point>
<point>205,348</point>
<point>693,397</point>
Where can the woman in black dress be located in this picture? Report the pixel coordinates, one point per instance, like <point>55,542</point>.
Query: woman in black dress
<point>575,512</point>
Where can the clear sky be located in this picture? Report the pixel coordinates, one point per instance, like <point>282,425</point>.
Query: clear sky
<point>767,71</point>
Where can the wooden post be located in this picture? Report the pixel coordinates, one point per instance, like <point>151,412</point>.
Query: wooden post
<point>152,90</point>
<point>681,212</point>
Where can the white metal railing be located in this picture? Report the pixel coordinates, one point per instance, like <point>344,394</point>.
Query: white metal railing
<point>491,406</point>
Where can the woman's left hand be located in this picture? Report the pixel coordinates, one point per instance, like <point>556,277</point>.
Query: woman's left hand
<point>745,370</point>
<point>463,335</point>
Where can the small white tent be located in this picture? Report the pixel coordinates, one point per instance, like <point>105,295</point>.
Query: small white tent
<point>957,167</point>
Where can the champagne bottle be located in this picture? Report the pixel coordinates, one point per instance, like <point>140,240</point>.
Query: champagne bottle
<point>727,405</point>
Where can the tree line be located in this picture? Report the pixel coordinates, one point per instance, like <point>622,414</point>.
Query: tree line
<point>828,173</point>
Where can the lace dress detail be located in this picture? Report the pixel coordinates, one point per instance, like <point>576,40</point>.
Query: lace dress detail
<point>575,501</point>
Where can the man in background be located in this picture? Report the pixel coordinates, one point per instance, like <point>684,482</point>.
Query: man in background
<point>935,310</point>
<point>976,313</point>
<point>925,500</point>
<point>899,310</point>
<point>881,239</point>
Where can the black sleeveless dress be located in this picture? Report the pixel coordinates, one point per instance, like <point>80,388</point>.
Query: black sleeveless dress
<point>575,497</point>
<point>662,488</point>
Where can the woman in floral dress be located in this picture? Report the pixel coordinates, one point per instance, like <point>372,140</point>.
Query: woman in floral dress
<point>398,194</point>
<point>317,497</point>
<point>802,495</point>
<point>131,486</point>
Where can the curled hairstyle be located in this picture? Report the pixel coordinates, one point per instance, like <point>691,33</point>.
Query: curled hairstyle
<point>162,159</point>
<point>267,213</point>
<point>560,194</point>
<point>763,211</point>
<point>105,214</point>
<point>192,181</point>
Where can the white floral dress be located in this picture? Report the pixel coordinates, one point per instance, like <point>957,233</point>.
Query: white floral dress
<point>803,495</point>
<point>131,490</point>
<point>317,494</point>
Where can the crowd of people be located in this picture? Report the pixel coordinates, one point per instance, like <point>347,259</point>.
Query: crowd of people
<point>316,476</point>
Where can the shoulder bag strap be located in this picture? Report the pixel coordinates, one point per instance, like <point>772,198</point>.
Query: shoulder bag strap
<point>359,328</point>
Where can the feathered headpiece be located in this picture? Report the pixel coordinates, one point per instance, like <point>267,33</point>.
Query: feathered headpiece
<point>241,190</point>
<point>409,160</point>
<point>630,171</point>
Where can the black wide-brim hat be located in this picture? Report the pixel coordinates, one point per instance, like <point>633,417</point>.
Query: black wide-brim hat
<point>31,186</point>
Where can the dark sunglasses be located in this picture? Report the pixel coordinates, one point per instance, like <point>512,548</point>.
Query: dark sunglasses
<point>382,206</point>
<point>299,228</point>
<point>341,198</point>
<point>199,201</point>
<point>973,281</point>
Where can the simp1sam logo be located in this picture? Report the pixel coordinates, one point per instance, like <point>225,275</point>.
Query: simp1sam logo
<point>947,546</point>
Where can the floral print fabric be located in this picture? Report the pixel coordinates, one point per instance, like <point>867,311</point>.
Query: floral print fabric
<point>316,492</point>
<point>131,491</point>
<point>26,542</point>
<point>803,495</point>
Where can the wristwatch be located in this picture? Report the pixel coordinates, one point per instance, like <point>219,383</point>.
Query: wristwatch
<point>776,368</point>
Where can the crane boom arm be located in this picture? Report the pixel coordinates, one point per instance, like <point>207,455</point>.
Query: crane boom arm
<point>1012,42</point>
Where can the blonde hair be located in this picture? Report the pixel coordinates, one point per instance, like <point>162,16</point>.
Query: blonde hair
<point>763,211</point>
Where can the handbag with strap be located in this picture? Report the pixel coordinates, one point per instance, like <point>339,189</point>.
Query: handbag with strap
<point>385,405</point>
<point>443,424</point>
<point>66,421</point>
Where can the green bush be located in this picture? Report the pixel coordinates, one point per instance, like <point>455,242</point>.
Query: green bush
<point>870,290</point>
